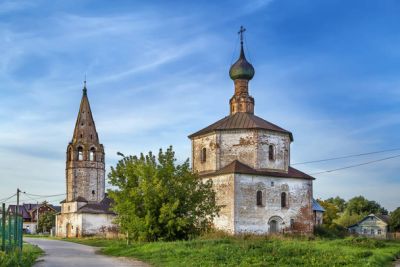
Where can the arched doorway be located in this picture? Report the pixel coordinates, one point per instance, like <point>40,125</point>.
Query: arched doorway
<point>275,223</point>
<point>273,227</point>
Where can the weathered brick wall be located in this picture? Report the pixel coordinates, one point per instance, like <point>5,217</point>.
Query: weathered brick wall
<point>281,143</point>
<point>252,218</point>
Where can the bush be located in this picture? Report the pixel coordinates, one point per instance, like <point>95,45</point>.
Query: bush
<point>334,231</point>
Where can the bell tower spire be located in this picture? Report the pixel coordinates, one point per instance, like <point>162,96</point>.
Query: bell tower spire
<point>241,72</point>
<point>85,169</point>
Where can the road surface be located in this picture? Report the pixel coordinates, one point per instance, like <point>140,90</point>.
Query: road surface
<point>64,254</point>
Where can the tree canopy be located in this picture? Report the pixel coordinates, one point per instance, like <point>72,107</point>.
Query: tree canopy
<point>157,199</point>
<point>47,221</point>
<point>395,219</point>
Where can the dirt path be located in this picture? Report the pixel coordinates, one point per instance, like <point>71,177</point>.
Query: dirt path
<point>65,254</point>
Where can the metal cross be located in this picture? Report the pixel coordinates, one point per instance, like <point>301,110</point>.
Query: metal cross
<point>242,30</point>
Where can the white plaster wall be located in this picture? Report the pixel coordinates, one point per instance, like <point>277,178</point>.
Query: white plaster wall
<point>209,142</point>
<point>62,219</point>
<point>281,143</point>
<point>224,188</point>
<point>252,218</point>
<point>238,145</point>
<point>92,223</point>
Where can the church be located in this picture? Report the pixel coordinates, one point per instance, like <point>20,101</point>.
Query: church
<point>248,160</point>
<point>86,209</point>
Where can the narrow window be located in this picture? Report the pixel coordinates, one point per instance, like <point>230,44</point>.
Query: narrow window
<point>283,200</point>
<point>292,223</point>
<point>70,154</point>
<point>372,232</point>
<point>80,153</point>
<point>379,231</point>
<point>91,136</point>
<point>92,155</point>
<point>203,156</point>
<point>93,192</point>
<point>271,152</point>
<point>365,231</point>
<point>272,183</point>
<point>259,198</point>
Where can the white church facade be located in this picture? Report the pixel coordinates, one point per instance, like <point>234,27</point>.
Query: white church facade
<point>248,160</point>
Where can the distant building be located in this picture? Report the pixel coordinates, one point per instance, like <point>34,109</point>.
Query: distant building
<point>29,213</point>
<point>248,160</point>
<point>371,226</point>
<point>86,209</point>
<point>318,212</point>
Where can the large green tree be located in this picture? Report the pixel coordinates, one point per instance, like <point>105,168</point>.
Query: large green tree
<point>157,199</point>
<point>395,220</point>
<point>362,206</point>
<point>331,212</point>
<point>47,221</point>
<point>339,202</point>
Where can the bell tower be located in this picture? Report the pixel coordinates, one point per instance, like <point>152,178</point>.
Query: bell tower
<point>85,168</point>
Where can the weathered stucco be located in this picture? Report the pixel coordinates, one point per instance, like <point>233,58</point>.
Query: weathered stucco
<point>237,194</point>
<point>249,146</point>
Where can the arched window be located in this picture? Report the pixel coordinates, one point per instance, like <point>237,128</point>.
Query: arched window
<point>80,153</point>
<point>203,156</point>
<point>283,200</point>
<point>92,154</point>
<point>271,152</point>
<point>259,198</point>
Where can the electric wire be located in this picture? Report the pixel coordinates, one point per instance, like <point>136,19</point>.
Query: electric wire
<point>345,157</point>
<point>355,165</point>
<point>7,198</point>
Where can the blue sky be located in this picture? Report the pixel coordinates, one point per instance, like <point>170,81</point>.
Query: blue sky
<point>157,71</point>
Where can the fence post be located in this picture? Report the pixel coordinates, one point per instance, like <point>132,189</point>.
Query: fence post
<point>9,231</point>
<point>3,227</point>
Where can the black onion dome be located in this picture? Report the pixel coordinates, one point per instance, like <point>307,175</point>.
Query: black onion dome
<point>241,69</point>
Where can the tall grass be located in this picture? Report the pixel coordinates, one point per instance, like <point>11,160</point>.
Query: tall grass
<point>25,259</point>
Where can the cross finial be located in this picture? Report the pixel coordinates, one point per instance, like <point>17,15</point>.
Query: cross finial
<point>240,32</point>
<point>84,86</point>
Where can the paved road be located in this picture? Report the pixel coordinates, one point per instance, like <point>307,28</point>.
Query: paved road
<point>65,254</point>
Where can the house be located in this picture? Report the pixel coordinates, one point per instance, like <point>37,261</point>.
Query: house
<point>318,212</point>
<point>29,213</point>
<point>248,160</point>
<point>373,225</point>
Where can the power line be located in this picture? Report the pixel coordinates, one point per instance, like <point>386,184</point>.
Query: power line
<point>356,165</point>
<point>345,157</point>
<point>5,199</point>
<point>44,196</point>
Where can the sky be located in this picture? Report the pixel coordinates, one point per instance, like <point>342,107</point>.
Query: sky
<point>157,71</point>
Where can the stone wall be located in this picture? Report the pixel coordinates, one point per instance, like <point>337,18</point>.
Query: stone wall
<point>251,147</point>
<point>297,216</point>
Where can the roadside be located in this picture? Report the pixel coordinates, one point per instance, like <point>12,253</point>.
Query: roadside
<point>29,255</point>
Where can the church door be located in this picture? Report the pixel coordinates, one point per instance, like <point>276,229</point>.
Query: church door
<point>273,227</point>
<point>69,230</point>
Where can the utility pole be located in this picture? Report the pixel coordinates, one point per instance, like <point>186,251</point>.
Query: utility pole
<point>16,219</point>
<point>3,228</point>
<point>37,217</point>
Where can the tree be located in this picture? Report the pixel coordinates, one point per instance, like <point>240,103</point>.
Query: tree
<point>395,220</point>
<point>159,200</point>
<point>331,212</point>
<point>362,206</point>
<point>47,221</point>
<point>339,202</point>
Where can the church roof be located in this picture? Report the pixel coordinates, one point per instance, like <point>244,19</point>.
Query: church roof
<point>239,167</point>
<point>316,206</point>
<point>102,207</point>
<point>241,120</point>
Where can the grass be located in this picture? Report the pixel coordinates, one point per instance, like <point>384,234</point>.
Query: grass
<point>28,257</point>
<point>255,251</point>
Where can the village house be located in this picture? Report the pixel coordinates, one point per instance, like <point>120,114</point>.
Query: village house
<point>318,212</point>
<point>373,225</point>
<point>86,209</point>
<point>30,213</point>
<point>248,160</point>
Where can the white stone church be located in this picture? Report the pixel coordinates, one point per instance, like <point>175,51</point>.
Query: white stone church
<point>248,160</point>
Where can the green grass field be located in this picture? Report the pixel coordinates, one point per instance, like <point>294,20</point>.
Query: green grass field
<point>29,255</point>
<point>255,251</point>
